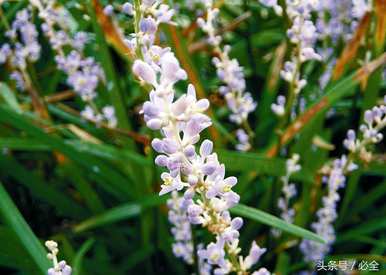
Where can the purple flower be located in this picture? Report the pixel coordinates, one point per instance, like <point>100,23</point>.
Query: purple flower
<point>254,255</point>
<point>108,10</point>
<point>214,253</point>
<point>170,184</point>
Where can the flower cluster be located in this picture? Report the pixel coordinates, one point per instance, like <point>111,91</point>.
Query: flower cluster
<point>83,73</point>
<point>107,114</point>
<point>311,250</point>
<point>360,7</point>
<point>229,71</point>
<point>181,230</point>
<point>126,8</point>
<point>303,35</point>
<point>24,47</point>
<point>272,4</point>
<point>279,107</point>
<point>375,121</point>
<point>288,190</point>
<point>207,193</point>
<point>336,19</point>
<point>60,268</point>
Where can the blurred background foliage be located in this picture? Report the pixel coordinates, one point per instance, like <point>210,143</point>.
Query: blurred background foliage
<point>94,189</point>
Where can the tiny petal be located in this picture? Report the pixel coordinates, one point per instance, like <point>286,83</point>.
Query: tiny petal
<point>144,72</point>
<point>206,148</point>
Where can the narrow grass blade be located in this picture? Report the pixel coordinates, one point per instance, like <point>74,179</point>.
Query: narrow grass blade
<point>119,213</point>
<point>364,229</point>
<point>13,254</point>
<point>13,218</point>
<point>23,144</point>
<point>9,97</point>
<point>110,179</point>
<point>77,263</point>
<point>270,220</point>
<point>40,189</point>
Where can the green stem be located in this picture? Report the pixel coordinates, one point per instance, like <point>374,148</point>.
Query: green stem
<point>137,19</point>
<point>4,19</point>
<point>195,256</point>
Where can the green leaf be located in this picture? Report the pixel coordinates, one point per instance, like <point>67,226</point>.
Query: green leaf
<point>107,177</point>
<point>84,187</point>
<point>258,164</point>
<point>267,38</point>
<point>9,97</point>
<point>16,222</point>
<point>364,229</point>
<point>110,216</point>
<point>282,264</point>
<point>350,191</point>
<point>138,256</point>
<point>77,263</point>
<point>110,152</point>
<point>244,162</point>
<point>119,213</point>
<point>369,198</point>
<point>268,219</point>
<point>13,254</point>
<point>23,144</point>
<point>62,203</point>
<point>100,150</point>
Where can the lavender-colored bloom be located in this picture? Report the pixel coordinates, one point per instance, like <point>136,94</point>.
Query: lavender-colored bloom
<point>59,268</point>
<point>148,25</point>
<point>214,253</point>
<point>5,52</point>
<point>288,191</point>
<point>18,78</point>
<point>360,7</point>
<point>28,49</point>
<point>254,255</point>
<point>23,48</point>
<point>198,175</point>
<point>327,214</point>
<point>229,71</point>
<point>279,107</point>
<point>84,74</point>
<point>80,40</point>
<point>108,10</point>
<point>243,140</point>
<point>181,230</point>
<point>128,8</point>
<point>342,18</point>
<point>62,269</point>
<point>84,84</point>
<point>272,4</point>
<point>109,115</point>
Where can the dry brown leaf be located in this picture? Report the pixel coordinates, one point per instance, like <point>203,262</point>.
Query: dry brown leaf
<point>380,30</point>
<point>111,31</point>
<point>304,118</point>
<point>350,51</point>
<point>276,66</point>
